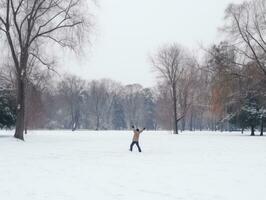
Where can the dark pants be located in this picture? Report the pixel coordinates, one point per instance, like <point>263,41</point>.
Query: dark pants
<point>136,143</point>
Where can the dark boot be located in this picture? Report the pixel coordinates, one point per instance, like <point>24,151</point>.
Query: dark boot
<point>137,143</point>
<point>131,146</point>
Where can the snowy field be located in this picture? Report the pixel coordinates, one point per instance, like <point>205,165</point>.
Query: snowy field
<point>61,165</point>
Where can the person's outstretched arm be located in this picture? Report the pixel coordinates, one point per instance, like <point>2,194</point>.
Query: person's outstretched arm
<point>142,130</point>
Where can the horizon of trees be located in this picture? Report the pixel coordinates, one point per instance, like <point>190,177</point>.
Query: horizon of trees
<point>224,91</point>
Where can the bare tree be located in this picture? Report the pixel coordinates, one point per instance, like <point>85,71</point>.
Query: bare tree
<point>72,88</point>
<point>28,26</point>
<point>164,107</point>
<point>169,63</point>
<point>133,104</point>
<point>38,81</point>
<point>99,102</point>
<point>112,89</point>
<point>186,88</point>
<point>245,25</point>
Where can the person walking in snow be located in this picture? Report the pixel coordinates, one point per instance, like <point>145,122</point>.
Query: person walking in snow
<point>135,140</point>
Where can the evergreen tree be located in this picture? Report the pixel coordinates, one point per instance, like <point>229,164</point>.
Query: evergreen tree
<point>149,110</point>
<point>118,119</point>
<point>249,115</point>
<point>7,109</point>
<point>262,115</point>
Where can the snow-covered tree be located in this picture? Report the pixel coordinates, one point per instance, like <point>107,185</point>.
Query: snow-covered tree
<point>118,118</point>
<point>7,109</point>
<point>30,27</point>
<point>71,89</point>
<point>149,115</point>
<point>249,115</point>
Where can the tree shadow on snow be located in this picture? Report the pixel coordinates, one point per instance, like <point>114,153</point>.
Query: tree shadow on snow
<point>6,136</point>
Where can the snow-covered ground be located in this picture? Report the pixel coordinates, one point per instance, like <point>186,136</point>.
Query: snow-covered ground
<point>61,165</point>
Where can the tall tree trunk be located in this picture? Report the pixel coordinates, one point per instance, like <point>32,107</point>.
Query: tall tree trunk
<point>27,99</point>
<point>261,127</point>
<point>175,110</point>
<point>26,123</point>
<point>200,122</point>
<point>97,122</point>
<point>21,87</point>
<point>72,123</point>
<point>191,121</point>
<point>184,124</point>
<point>20,121</point>
<point>252,130</point>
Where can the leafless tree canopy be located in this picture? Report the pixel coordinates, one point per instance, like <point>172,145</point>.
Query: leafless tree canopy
<point>177,70</point>
<point>245,25</point>
<point>29,26</point>
<point>225,90</point>
<point>168,62</point>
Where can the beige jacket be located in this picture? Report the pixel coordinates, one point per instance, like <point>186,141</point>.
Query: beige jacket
<point>136,135</point>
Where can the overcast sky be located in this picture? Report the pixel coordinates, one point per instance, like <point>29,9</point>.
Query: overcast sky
<point>128,31</point>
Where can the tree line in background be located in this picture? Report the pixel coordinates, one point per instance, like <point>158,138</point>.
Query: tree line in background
<point>224,90</point>
<point>73,103</point>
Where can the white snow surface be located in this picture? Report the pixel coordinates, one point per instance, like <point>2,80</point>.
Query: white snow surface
<point>82,165</point>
